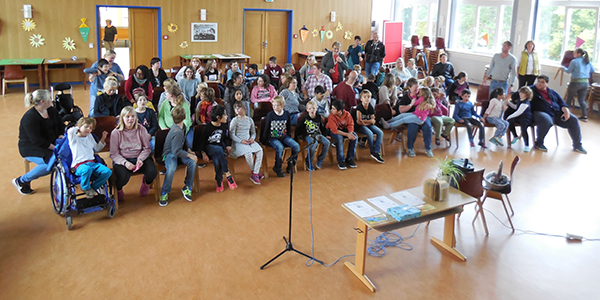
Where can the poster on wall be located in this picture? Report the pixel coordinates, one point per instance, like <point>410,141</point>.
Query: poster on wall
<point>204,32</point>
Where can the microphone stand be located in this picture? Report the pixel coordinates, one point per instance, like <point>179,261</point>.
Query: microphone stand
<point>288,242</point>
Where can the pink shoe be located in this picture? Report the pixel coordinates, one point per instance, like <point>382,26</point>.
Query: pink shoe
<point>120,195</point>
<point>144,188</point>
<point>231,183</point>
<point>261,176</point>
<point>220,187</point>
<point>255,178</point>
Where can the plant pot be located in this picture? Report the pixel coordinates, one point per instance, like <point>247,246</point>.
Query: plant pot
<point>436,189</point>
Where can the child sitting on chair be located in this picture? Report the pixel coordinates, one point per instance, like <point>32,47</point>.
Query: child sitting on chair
<point>147,118</point>
<point>216,145</point>
<point>83,146</point>
<point>464,113</point>
<point>277,132</point>
<point>243,135</point>
<point>365,119</point>
<point>206,104</point>
<point>341,125</point>
<point>322,103</point>
<point>522,115</point>
<point>439,117</point>
<point>493,115</point>
<point>311,128</point>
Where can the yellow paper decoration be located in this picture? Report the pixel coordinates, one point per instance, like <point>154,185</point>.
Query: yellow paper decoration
<point>183,45</point>
<point>68,44</point>
<point>329,34</point>
<point>315,33</point>
<point>339,27</point>
<point>36,40</point>
<point>83,25</point>
<point>28,24</point>
<point>172,27</point>
<point>348,35</point>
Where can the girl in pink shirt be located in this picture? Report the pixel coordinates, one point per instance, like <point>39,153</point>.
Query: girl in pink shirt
<point>263,91</point>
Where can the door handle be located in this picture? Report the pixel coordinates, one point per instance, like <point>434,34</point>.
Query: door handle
<point>265,44</point>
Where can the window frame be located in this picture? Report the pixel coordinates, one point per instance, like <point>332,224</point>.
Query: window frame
<point>396,10</point>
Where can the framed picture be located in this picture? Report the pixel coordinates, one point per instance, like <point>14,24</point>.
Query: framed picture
<point>204,32</point>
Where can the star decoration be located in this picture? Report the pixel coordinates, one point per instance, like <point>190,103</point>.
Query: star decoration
<point>183,45</point>
<point>348,35</point>
<point>339,27</point>
<point>329,34</point>
<point>172,27</point>
<point>36,40</point>
<point>28,24</point>
<point>315,33</point>
<point>68,44</point>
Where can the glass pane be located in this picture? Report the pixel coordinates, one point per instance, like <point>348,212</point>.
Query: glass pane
<point>488,15</point>
<point>549,32</point>
<point>406,16</point>
<point>465,31</point>
<point>583,26</point>
<point>505,24</point>
<point>434,12</point>
<point>422,18</point>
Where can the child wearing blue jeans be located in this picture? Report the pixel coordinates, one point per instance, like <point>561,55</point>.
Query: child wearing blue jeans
<point>341,125</point>
<point>365,119</point>
<point>83,146</point>
<point>277,134</point>
<point>216,145</point>
<point>311,128</point>
<point>464,113</point>
<point>493,115</point>
<point>176,148</point>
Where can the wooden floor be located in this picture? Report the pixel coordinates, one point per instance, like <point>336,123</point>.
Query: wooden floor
<point>212,247</point>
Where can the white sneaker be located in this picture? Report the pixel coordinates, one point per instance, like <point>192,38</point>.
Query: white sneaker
<point>526,149</point>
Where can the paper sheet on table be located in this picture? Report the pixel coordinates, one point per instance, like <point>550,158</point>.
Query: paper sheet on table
<point>383,202</point>
<point>407,198</point>
<point>362,208</point>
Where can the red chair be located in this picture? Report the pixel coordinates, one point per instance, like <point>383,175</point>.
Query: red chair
<point>215,87</point>
<point>13,74</point>
<point>414,40</point>
<point>440,43</point>
<point>426,42</point>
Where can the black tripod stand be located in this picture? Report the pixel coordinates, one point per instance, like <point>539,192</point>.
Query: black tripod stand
<point>288,242</point>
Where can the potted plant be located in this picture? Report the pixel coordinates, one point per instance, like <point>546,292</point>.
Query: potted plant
<point>449,172</point>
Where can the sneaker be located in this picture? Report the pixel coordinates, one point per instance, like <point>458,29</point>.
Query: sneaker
<point>161,172</point>
<point>90,193</point>
<point>437,141</point>
<point>187,193</point>
<point>350,163</point>
<point>493,141</point>
<point>541,148</point>
<point>255,178</point>
<point>526,149</point>
<point>120,195</point>
<point>202,165</point>
<point>308,165</point>
<point>515,140</point>
<point>583,119</point>
<point>319,165</point>
<point>411,153</point>
<point>333,145</point>
<point>261,176</point>
<point>429,153</point>
<point>482,144</point>
<point>22,187</point>
<point>279,172</point>
<point>231,183</point>
<point>164,200</point>
<point>580,150</point>
<point>377,157</point>
<point>220,187</point>
<point>472,144</point>
<point>446,137</point>
<point>144,188</point>
<point>384,124</point>
<point>498,141</point>
<point>342,165</point>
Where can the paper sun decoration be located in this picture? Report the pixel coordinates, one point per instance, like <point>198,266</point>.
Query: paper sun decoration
<point>315,33</point>
<point>183,45</point>
<point>329,34</point>
<point>348,35</point>
<point>36,40</point>
<point>339,27</point>
<point>28,24</point>
<point>68,44</point>
<point>172,27</point>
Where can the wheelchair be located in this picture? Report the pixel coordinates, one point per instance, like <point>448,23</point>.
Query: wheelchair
<point>66,201</point>
<point>65,105</point>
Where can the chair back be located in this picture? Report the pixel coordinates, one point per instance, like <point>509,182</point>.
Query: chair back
<point>384,111</point>
<point>219,101</point>
<point>174,71</point>
<point>426,42</point>
<point>483,93</point>
<point>472,184</point>
<point>215,86</point>
<point>414,40</point>
<point>131,72</point>
<point>196,143</point>
<point>513,166</point>
<point>107,124</point>
<point>12,72</point>
<point>440,43</point>
<point>156,97</point>
<point>261,111</point>
<point>159,145</point>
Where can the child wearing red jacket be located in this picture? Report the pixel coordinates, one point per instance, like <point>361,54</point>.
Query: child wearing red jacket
<point>341,125</point>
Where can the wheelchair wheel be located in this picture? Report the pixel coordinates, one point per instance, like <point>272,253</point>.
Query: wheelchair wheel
<point>111,211</point>
<point>69,222</point>
<point>59,190</point>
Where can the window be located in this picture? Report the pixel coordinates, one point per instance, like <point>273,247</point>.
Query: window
<point>481,25</point>
<point>560,24</point>
<point>419,19</point>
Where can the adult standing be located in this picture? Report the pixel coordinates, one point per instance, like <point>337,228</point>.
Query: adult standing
<point>580,69</point>
<point>345,92</point>
<point>355,53</point>
<point>110,36</point>
<point>39,128</point>
<point>549,109</point>
<point>130,152</point>
<point>157,75</point>
<point>375,52</point>
<point>529,67</point>
<point>335,63</point>
<point>317,78</point>
<point>503,69</point>
<point>444,68</point>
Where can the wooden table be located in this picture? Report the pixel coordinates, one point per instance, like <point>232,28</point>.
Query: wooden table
<point>27,64</point>
<point>446,209</point>
<point>63,64</point>
<point>184,60</point>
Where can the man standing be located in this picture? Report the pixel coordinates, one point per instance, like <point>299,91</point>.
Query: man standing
<point>335,64</point>
<point>503,69</point>
<point>375,52</point>
<point>110,36</point>
<point>345,92</point>
<point>549,109</point>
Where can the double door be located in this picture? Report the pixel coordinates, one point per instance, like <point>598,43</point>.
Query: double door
<point>265,35</point>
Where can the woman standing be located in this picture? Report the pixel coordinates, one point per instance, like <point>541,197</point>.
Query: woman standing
<point>130,152</point>
<point>39,128</point>
<point>580,69</point>
<point>355,53</point>
<point>529,68</point>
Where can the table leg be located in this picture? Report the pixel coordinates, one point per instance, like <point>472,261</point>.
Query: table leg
<point>41,75</point>
<point>46,78</point>
<point>84,76</point>
<point>449,239</point>
<point>358,268</point>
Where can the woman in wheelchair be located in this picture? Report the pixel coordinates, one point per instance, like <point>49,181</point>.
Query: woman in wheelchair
<point>40,126</point>
<point>130,152</point>
<point>83,165</point>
